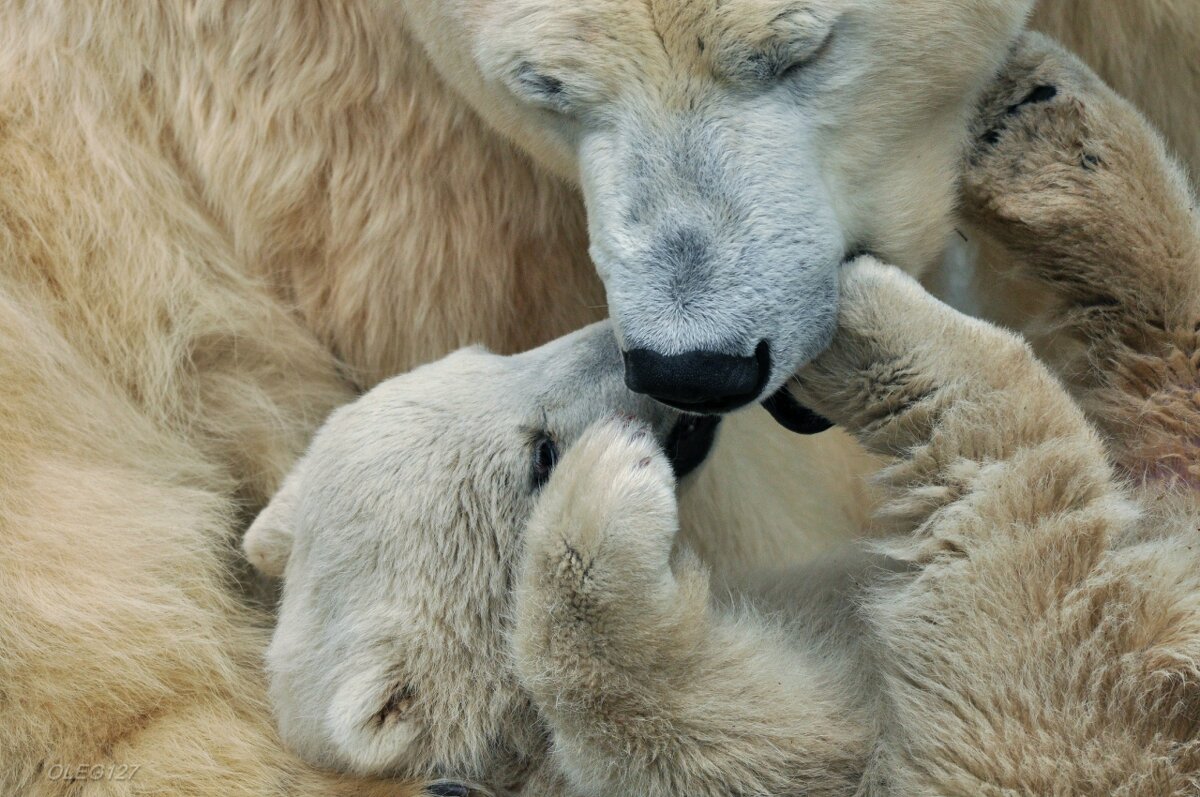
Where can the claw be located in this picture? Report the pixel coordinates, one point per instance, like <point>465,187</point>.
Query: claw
<point>794,417</point>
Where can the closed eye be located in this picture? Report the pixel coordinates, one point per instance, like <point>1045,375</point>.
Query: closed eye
<point>542,89</point>
<point>810,58</point>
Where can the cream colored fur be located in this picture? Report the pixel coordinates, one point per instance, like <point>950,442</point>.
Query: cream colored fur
<point>204,209</point>
<point>1057,652</point>
<point>216,221</point>
<point>1149,52</point>
<point>1037,633</point>
<point>400,535</point>
<point>1046,639</point>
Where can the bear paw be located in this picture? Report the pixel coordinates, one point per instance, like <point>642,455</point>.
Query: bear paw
<point>1073,180</point>
<point>599,541</point>
<point>1042,143</point>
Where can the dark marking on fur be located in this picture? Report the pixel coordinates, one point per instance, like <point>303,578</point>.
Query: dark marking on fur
<point>1038,95</point>
<point>857,251</point>
<point>1100,300</point>
<point>547,89</point>
<point>397,705</point>
<point>683,253</point>
<point>700,43</point>
<point>1090,161</point>
<point>446,788</point>
<point>763,66</point>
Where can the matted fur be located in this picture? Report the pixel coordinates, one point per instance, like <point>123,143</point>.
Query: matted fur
<point>1046,640</point>
<point>1060,653</point>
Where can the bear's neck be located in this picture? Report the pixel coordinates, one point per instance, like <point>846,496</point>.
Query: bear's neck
<point>345,172</point>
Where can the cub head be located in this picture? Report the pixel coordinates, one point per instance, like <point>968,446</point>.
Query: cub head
<point>397,535</point>
<point>731,154</point>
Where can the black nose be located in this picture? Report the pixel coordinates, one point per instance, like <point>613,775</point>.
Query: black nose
<point>699,381</point>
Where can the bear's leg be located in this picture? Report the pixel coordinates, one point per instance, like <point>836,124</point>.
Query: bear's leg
<point>1076,184</point>
<point>971,417</point>
<point>1033,649</point>
<point>127,666</point>
<point>648,686</point>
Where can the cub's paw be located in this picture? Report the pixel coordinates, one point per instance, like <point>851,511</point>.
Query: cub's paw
<point>613,495</point>
<point>603,528</point>
<point>597,591</point>
<point>1059,159</point>
<point>882,312</point>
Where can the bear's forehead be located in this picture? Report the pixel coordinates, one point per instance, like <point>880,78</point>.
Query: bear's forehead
<point>656,41</point>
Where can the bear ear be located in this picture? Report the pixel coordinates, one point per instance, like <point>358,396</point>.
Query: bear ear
<point>268,541</point>
<point>371,720</point>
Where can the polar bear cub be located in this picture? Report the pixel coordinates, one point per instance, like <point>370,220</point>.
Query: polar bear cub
<point>398,535</point>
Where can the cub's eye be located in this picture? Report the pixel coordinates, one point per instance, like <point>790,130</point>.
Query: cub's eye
<point>545,457</point>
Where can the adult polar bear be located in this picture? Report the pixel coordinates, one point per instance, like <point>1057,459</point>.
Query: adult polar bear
<point>216,219</point>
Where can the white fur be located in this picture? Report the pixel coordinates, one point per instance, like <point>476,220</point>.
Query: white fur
<point>722,194</point>
<point>218,221</point>
<point>1010,530</point>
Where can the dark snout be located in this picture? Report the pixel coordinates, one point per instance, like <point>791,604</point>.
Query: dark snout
<point>705,382</point>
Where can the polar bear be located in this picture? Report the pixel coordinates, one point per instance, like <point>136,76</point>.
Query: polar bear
<point>731,155</point>
<point>399,535</point>
<point>649,679</point>
<point>1059,633</point>
<point>714,142</point>
<point>219,221</point>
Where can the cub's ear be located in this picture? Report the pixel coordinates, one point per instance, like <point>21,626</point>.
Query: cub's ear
<point>268,541</point>
<point>371,720</point>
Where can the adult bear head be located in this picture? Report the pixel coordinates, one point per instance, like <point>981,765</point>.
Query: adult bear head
<point>732,153</point>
